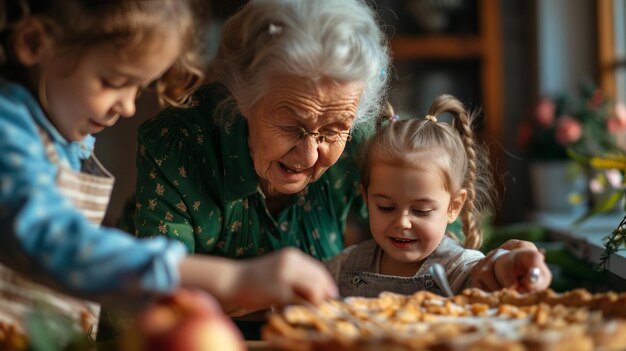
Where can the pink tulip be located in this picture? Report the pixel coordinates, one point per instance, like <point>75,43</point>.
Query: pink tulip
<point>596,99</point>
<point>544,112</point>
<point>596,186</point>
<point>616,124</point>
<point>619,111</point>
<point>568,130</point>
<point>614,178</point>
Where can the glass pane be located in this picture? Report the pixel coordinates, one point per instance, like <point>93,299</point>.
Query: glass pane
<point>619,19</point>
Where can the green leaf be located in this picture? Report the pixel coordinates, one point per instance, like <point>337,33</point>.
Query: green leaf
<point>611,202</point>
<point>577,156</point>
<point>611,245</point>
<point>602,207</point>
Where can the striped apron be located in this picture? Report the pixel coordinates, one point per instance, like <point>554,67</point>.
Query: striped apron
<point>90,191</point>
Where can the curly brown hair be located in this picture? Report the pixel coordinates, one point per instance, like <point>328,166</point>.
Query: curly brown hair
<point>78,24</point>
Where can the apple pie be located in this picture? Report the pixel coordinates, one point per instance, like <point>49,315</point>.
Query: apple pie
<point>473,320</point>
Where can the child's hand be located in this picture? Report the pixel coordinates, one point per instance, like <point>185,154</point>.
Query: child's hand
<point>283,277</point>
<point>524,270</point>
<point>483,272</point>
<point>279,278</point>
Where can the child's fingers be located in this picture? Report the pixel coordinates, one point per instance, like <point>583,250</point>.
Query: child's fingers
<point>506,273</point>
<point>532,272</point>
<point>487,280</point>
<point>314,284</point>
<point>523,268</point>
<point>301,277</point>
<point>539,278</point>
<point>515,244</point>
<point>483,273</point>
<point>533,275</point>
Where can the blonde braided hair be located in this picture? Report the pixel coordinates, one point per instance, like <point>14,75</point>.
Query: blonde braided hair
<point>477,178</point>
<point>465,165</point>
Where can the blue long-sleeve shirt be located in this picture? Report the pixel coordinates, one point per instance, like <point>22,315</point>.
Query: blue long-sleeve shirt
<point>45,237</point>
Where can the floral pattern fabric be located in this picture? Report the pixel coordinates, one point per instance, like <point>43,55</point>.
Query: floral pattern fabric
<point>197,184</point>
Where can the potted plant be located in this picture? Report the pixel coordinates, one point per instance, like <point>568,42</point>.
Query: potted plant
<point>605,154</point>
<point>602,150</point>
<point>558,184</point>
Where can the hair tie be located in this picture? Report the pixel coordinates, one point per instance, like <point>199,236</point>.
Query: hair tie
<point>275,29</point>
<point>393,118</point>
<point>431,118</point>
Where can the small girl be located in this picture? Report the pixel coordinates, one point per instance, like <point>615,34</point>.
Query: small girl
<point>418,176</point>
<point>69,69</point>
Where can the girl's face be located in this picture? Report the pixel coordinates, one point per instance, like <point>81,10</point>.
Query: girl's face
<point>409,210</point>
<point>83,94</point>
<point>285,164</point>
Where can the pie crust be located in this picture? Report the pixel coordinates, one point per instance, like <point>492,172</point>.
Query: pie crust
<point>473,320</point>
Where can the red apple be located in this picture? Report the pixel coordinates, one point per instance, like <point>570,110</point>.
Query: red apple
<point>188,320</point>
<point>198,333</point>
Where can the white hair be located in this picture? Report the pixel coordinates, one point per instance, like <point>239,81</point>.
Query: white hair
<point>335,39</point>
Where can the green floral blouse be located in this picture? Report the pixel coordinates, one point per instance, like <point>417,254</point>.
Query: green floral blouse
<point>196,183</point>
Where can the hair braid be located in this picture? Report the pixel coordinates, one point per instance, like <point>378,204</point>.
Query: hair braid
<point>471,213</point>
<point>477,180</point>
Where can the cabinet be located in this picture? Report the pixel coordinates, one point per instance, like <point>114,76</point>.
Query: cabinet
<point>458,52</point>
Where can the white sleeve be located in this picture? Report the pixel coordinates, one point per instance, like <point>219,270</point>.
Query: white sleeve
<point>458,269</point>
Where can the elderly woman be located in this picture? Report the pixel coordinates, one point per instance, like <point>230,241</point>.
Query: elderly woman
<point>263,158</point>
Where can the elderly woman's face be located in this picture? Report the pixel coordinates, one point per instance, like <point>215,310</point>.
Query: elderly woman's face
<point>286,158</point>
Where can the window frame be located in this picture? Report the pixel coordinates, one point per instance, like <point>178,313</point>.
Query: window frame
<point>608,60</point>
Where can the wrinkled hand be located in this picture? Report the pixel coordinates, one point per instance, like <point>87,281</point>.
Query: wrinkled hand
<point>518,265</point>
<point>283,277</point>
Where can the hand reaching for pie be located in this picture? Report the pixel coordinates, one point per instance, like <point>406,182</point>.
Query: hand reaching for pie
<point>515,265</point>
<point>523,270</point>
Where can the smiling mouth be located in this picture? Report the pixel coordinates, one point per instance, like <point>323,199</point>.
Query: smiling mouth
<point>401,240</point>
<point>97,124</point>
<point>289,170</point>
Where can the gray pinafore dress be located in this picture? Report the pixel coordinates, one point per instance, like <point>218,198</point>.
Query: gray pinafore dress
<point>90,191</point>
<point>359,274</point>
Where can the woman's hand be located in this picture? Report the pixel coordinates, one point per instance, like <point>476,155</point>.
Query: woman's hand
<point>510,266</point>
<point>279,278</point>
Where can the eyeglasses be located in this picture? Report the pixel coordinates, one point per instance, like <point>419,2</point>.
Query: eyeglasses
<point>321,137</point>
